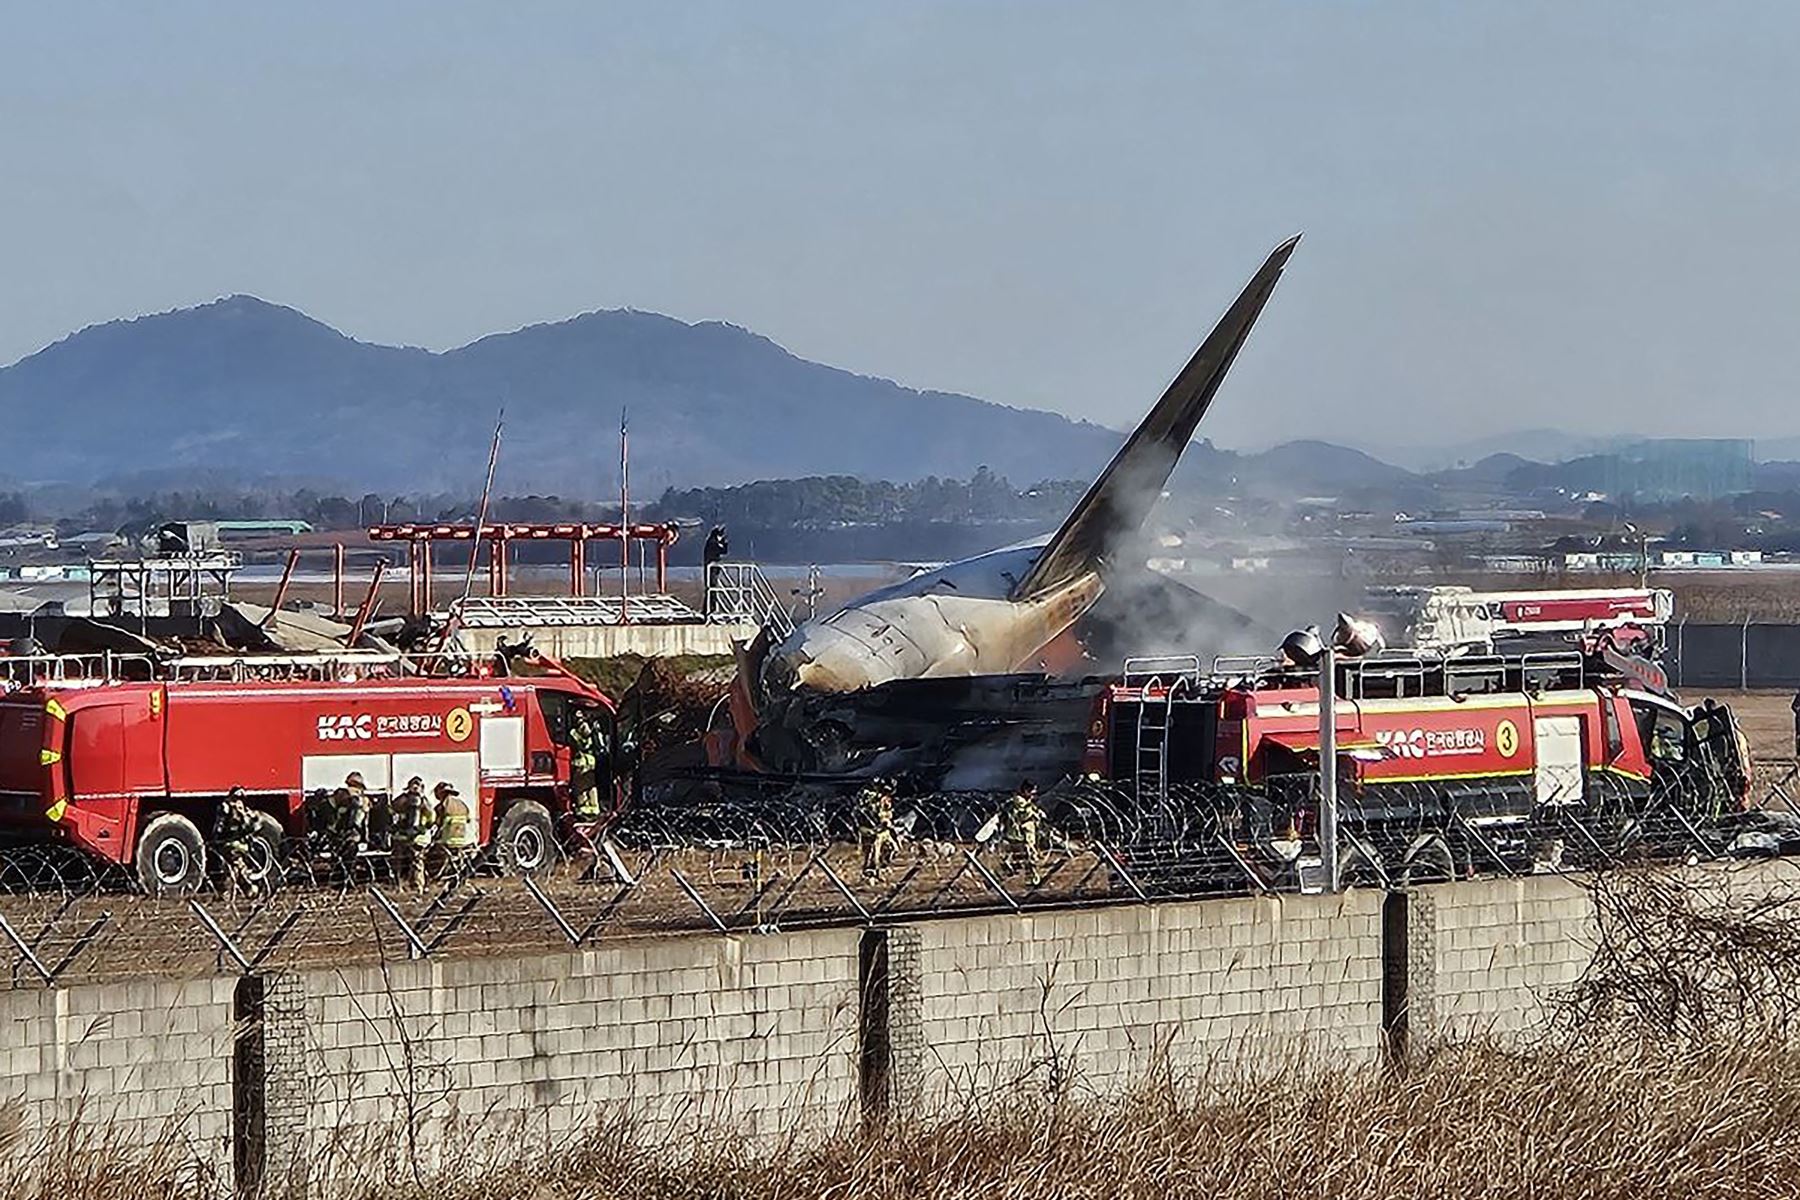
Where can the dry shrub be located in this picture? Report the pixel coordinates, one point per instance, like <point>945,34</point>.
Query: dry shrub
<point>1689,956</point>
<point>1626,1121</point>
<point>80,1160</point>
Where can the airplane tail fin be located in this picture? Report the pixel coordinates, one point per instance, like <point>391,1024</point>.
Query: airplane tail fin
<point>1116,506</point>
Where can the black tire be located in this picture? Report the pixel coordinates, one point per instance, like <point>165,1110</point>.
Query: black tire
<point>171,856</point>
<point>526,840</point>
<point>1428,860</point>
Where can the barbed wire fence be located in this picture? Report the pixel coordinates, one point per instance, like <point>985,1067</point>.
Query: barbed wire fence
<point>762,856</point>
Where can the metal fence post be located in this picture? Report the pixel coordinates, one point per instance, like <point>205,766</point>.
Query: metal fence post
<point>1744,656</point>
<point>1328,806</point>
<point>1680,653</point>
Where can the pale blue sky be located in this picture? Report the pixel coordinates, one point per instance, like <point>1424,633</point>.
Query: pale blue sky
<point>1517,214</point>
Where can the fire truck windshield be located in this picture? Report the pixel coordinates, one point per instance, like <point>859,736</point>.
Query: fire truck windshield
<point>1663,729</point>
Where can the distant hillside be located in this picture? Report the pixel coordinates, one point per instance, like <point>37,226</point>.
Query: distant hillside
<point>1326,466</point>
<point>256,390</point>
<point>1535,445</point>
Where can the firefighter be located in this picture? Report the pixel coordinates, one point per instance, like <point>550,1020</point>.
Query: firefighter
<point>234,828</point>
<point>352,804</point>
<point>1020,818</point>
<point>321,819</point>
<point>875,827</point>
<point>456,832</point>
<point>414,820</point>
<point>716,548</point>
<point>584,763</point>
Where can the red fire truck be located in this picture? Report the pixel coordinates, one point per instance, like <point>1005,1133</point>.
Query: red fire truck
<point>133,770</point>
<point>1445,762</point>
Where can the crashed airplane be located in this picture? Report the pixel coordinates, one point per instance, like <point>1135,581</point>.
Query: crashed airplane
<point>995,614</point>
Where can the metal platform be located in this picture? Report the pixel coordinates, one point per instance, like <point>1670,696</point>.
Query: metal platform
<point>524,612</point>
<point>173,585</point>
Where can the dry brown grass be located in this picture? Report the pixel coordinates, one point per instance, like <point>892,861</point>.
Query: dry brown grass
<point>1621,1120</point>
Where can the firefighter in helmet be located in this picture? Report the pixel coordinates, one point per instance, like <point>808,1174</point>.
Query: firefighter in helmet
<point>321,822</point>
<point>234,831</point>
<point>456,832</point>
<point>584,767</point>
<point>414,821</point>
<point>352,802</point>
<point>1020,820</point>
<point>875,826</point>
<point>716,548</point>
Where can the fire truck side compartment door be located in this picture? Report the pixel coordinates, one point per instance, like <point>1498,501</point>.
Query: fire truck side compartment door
<point>1560,768</point>
<point>97,751</point>
<point>503,746</point>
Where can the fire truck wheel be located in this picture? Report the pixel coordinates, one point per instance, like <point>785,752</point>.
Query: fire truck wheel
<point>171,855</point>
<point>526,839</point>
<point>1428,860</point>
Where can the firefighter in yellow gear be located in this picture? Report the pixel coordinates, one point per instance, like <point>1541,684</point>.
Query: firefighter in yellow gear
<point>1020,820</point>
<point>456,832</point>
<point>584,768</point>
<point>875,827</point>
<point>414,824</point>
<point>234,833</point>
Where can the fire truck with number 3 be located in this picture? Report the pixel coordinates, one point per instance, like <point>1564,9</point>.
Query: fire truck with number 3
<point>133,770</point>
<point>1465,754</point>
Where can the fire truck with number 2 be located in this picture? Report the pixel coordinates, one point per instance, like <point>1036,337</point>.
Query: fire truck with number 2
<point>133,770</point>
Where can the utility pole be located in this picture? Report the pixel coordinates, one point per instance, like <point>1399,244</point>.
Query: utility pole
<point>624,521</point>
<point>1328,800</point>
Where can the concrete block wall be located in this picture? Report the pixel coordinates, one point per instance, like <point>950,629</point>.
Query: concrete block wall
<point>1485,958</point>
<point>1491,957</point>
<point>754,1035</point>
<point>125,1065</point>
<point>1093,998</point>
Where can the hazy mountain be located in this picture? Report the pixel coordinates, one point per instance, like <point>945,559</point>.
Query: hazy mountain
<point>247,387</point>
<point>1324,465</point>
<point>1535,445</point>
<point>1493,470</point>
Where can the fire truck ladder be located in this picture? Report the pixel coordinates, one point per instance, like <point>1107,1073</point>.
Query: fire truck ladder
<point>275,667</point>
<point>104,667</point>
<point>1155,717</point>
<point>339,666</point>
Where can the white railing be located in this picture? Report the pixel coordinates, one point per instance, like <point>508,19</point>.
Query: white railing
<point>740,592</point>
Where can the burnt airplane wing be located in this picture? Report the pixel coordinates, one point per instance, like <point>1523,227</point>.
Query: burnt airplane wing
<point>1120,500</point>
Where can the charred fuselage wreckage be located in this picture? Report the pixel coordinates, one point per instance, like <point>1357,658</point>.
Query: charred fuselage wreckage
<point>973,669</point>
